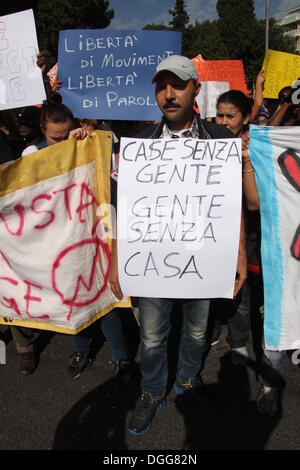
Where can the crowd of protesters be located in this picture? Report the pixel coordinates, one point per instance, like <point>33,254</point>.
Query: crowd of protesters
<point>26,130</point>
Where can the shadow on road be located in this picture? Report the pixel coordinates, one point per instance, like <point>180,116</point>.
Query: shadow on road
<point>237,424</point>
<point>98,420</point>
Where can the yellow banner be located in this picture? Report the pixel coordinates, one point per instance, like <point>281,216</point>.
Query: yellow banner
<point>54,265</point>
<point>281,70</point>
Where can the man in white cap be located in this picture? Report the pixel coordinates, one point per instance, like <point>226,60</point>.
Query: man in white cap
<point>177,86</point>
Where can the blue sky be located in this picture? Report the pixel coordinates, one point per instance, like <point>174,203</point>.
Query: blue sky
<point>134,14</point>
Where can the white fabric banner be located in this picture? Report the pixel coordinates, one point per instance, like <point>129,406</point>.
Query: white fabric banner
<point>49,263</point>
<point>54,233</point>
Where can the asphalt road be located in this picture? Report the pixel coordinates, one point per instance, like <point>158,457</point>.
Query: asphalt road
<point>49,410</point>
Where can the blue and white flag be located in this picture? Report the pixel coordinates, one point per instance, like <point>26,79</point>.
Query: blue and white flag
<point>275,155</point>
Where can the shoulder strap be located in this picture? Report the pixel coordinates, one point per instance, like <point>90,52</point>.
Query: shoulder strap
<point>202,129</point>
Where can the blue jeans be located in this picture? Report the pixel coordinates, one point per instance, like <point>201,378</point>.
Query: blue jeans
<point>155,322</point>
<point>112,329</point>
<point>271,369</point>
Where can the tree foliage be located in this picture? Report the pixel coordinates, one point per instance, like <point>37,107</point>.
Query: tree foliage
<point>180,18</point>
<point>237,26</point>
<point>54,15</point>
<point>178,22</point>
<point>277,41</point>
<point>206,40</point>
<point>157,27</point>
<point>244,35</point>
<point>9,7</point>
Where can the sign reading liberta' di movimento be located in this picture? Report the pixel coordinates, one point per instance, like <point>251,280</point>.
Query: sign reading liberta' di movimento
<point>107,74</point>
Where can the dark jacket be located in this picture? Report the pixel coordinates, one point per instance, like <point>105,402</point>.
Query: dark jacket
<point>207,130</point>
<point>10,148</point>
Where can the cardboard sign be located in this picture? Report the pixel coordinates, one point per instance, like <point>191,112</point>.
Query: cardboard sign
<point>179,208</point>
<point>107,74</point>
<point>54,255</point>
<point>21,82</point>
<point>275,154</point>
<point>231,71</point>
<point>281,69</point>
<point>208,96</point>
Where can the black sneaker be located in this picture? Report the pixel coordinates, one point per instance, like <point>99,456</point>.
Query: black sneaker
<point>124,371</point>
<point>145,409</point>
<point>267,401</point>
<point>27,362</point>
<point>194,393</point>
<point>78,362</point>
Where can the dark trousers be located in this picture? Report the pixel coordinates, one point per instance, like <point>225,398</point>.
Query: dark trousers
<point>112,329</point>
<point>237,315</point>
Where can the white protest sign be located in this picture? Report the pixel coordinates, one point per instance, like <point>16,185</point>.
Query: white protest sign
<point>208,96</point>
<point>21,82</point>
<point>179,207</point>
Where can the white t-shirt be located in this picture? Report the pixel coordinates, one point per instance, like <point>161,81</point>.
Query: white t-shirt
<point>30,149</point>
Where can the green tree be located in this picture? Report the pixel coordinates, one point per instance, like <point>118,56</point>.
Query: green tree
<point>236,34</point>
<point>237,25</point>
<point>277,41</point>
<point>178,22</point>
<point>54,15</point>
<point>206,40</point>
<point>243,34</point>
<point>156,27</point>
<point>180,18</point>
<point>13,7</point>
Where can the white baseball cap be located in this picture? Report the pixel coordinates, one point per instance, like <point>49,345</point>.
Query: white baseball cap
<point>181,66</point>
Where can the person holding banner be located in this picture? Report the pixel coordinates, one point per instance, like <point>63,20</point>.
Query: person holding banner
<point>57,124</point>
<point>177,85</point>
<point>271,367</point>
<point>234,112</point>
<point>271,375</point>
